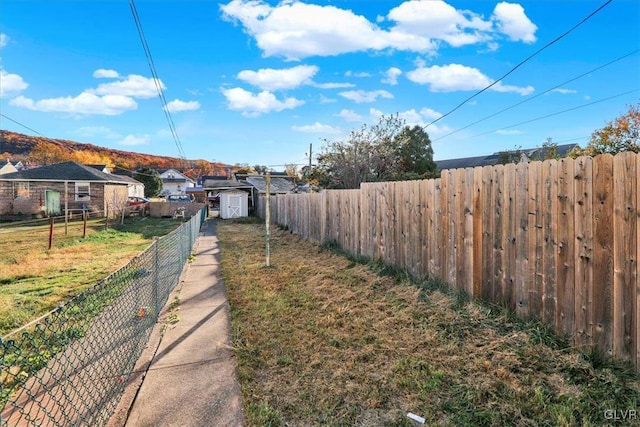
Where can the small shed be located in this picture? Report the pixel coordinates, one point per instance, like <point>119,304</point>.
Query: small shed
<point>234,204</point>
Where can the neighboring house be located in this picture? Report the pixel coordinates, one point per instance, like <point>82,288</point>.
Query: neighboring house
<point>55,189</point>
<point>527,154</point>
<point>175,182</point>
<point>7,168</point>
<point>136,188</point>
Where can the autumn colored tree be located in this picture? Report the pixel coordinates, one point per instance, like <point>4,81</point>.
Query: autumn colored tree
<point>47,153</point>
<point>620,134</point>
<point>87,157</point>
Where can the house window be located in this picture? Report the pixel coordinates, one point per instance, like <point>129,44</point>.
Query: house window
<point>83,193</point>
<point>21,190</point>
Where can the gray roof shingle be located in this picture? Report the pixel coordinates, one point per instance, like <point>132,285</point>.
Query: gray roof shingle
<point>67,171</point>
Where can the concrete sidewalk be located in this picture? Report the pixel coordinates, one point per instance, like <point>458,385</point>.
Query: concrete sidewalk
<point>191,376</point>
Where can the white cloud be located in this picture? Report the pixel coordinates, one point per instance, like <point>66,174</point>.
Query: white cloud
<point>84,104</point>
<point>512,21</point>
<point>317,127</point>
<point>456,77</point>
<point>134,86</point>
<point>391,76</point>
<point>563,91</point>
<point>254,105</point>
<point>11,84</point>
<point>97,131</point>
<point>430,113</point>
<point>361,96</point>
<point>132,140</point>
<point>350,115</point>
<point>4,40</point>
<point>326,100</point>
<point>105,74</point>
<point>437,20</point>
<point>178,105</point>
<point>271,79</point>
<point>331,85</point>
<point>375,113</point>
<point>295,29</point>
<point>361,74</point>
<point>509,132</point>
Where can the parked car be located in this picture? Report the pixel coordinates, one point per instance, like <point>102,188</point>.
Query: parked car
<point>181,198</point>
<point>139,205</point>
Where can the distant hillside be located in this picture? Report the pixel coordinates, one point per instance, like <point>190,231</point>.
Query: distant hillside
<point>39,150</point>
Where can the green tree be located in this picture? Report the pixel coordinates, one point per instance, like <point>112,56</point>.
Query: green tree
<point>620,134</point>
<point>415,155</point>
<point>388,150</point>
<point>151,180</point>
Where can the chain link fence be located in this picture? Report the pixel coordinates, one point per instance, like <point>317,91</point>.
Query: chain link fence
<point>70,367</point>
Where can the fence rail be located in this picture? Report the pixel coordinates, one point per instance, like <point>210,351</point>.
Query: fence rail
<point>70,367</point>
<point>556,240</point>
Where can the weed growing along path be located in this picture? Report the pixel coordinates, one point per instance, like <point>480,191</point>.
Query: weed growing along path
<point>323,340</point>
<point>35,279</point>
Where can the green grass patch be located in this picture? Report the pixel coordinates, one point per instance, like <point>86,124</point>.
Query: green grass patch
<point>35,279</point>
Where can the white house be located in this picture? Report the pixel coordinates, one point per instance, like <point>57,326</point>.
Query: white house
<point>175,182</point>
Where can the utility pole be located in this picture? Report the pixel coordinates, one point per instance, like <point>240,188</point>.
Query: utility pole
<point>310,154</point>
<point>267,216</point>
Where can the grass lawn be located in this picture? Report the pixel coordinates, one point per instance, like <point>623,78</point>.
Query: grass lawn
<point>35,279</point>
<point>324,340</point>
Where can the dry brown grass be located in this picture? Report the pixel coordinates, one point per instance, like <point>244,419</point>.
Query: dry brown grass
<point>323,340</point>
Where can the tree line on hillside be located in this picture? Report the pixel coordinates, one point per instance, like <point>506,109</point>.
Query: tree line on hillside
<point>46,151</point>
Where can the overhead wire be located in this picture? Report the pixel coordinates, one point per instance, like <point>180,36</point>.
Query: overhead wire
<point>156,79</point>
<point>535,96</point>
<point>557,113</point>
<point>528,58</point>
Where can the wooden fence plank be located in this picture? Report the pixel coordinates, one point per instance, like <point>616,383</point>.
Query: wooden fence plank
<point>468,240</point>
<point>584,321</point>
<point>496,293</point>
<point>549,230</point>
<point>446,224</point>
<point>459,236</point>
<point>477,244</point>
<point>509,236</point>
<point>535,240</point>
<point>522,279</point>
<point>488,227</point>
<point>426,207</point>
<point>565,270</point>
<point>624,254</point>
<point>437,246</point>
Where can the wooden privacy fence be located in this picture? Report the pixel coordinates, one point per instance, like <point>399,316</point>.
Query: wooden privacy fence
<point>556,240</point>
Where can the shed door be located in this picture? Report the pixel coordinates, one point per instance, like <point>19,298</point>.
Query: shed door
<point>235,206</point>
<point>52,202</point>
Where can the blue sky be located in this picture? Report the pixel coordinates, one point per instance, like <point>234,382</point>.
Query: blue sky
<point>256,82</point>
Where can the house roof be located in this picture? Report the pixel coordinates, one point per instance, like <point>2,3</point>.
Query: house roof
<point>493,159</point>
<point>67,171</point>
<point>278,185</point>
<point>129,179</point>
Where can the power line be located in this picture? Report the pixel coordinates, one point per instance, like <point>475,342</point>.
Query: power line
<point>557,113</point>
<point>535,96</point>
<point>156,79</point>
<point>522,62</point>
